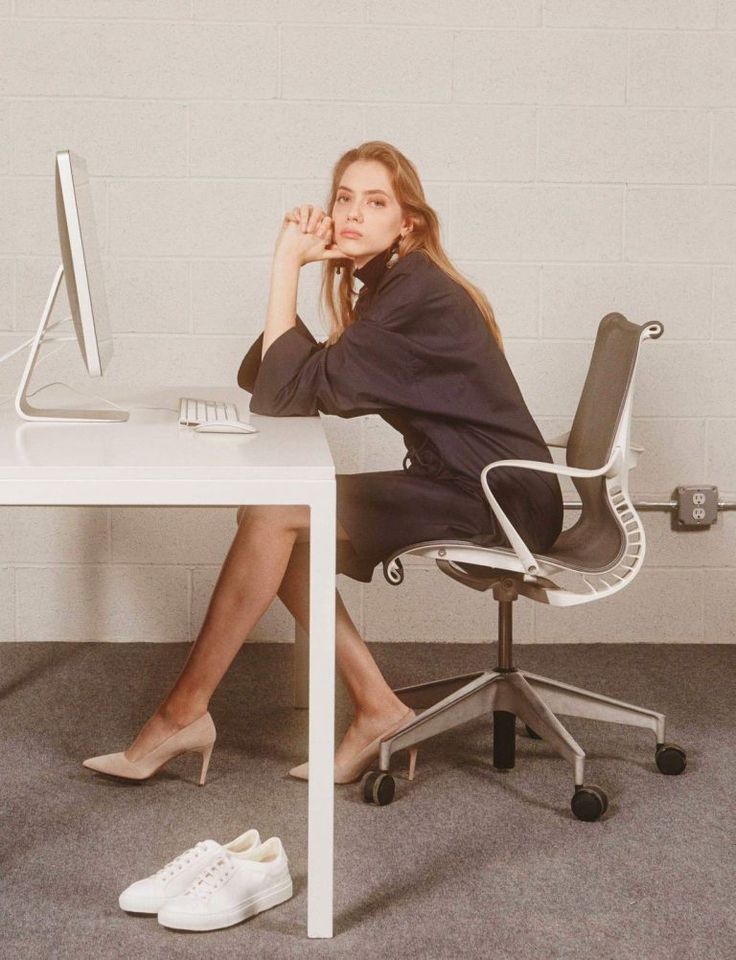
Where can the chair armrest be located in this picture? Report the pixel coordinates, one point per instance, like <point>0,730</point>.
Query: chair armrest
<point>563,439</point>
<point>610,469</point>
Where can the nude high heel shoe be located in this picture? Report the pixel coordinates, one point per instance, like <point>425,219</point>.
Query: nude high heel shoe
<point>355,768</point>
<point>197,737</point>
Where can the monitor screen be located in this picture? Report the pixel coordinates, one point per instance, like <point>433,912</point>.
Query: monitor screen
<point>80,254</point>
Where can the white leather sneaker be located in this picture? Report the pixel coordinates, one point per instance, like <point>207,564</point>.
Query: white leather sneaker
<point>232,889</point>
<point>149,895</point>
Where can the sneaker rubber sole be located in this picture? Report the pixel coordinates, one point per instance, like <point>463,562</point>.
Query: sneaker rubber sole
<point>226,918</point>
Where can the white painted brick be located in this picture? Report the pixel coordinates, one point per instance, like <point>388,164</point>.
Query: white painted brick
<point>7,293</point>
<point>127,59</point>
<point>727,14</point>
<point>102,603</point>
<point>668,14</point>
<point>724,147</point>
<point>200,218</point>
<point>459,142</point>
<point>28,224</point>
<point>280,11</point>
<point>513,292</point>
<point>721,454</point>
<point>147,362</point>
<point>230,296</point>
<point>269,139</point>
<point>143,296</point>
<point>685,380</point>
<point>623,144</point>
<point>724,303</point>
<point>5,8</point>
<point>5,140</point>
<point>234,219</point>
<point>682,69</point>
<point>147,295</point>
<point>576,297</point>
<point>537,221</point>
<point>116,138</point>
<point>706,548</point>
<point>719,600</point>
<point>659,606</point>
<point>7,603</point>
<point>173,535</point>
<point>356,53</point>
<point>674,453</point>
<point>430,607</point>
<point>465,13</point>
<point>34,276</point>
<point>345,438</point>
<point>54,534</point>
<point>105,9</point>
<point>680,224</point>
<point>535,66</point>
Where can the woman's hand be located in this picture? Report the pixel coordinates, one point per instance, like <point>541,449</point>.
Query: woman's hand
<point>306,236</point>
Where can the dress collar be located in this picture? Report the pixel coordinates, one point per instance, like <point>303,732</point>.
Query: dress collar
<point>372,271</point>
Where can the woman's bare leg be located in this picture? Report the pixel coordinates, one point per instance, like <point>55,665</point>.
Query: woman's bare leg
<point>376,705</point>
<point>249,579</point>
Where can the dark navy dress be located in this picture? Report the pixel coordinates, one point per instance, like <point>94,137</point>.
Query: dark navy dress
<point>420,355</point>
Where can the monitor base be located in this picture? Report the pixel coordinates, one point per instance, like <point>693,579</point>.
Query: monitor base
<point>70,415</point>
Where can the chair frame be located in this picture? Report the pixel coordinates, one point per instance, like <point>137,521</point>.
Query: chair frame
<point>507,692</point>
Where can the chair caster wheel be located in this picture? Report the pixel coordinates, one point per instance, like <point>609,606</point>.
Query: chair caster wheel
<point>589,802</point>
<point>532,733</point>
<point>670,758</point>
<point>378,787</point>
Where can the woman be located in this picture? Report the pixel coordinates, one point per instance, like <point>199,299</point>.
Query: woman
<point>421,348</point>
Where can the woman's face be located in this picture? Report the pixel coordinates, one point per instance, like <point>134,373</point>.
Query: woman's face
<point>365,203</point>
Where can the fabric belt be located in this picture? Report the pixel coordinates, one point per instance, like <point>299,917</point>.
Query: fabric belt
<point>426,461</point>
<point>425,457</point>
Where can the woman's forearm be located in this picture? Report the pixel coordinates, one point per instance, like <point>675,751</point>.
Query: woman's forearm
<point>281,313</point>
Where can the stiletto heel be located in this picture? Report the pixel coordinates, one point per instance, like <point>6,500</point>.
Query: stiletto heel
<point>412,762</point>
<point>206,754</point>
<point>196,737</point>
<point>354,769</point>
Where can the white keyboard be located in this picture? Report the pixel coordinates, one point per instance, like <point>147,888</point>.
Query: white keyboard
<point>193,411</point>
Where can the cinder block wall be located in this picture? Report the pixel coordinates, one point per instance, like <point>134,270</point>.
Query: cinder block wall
<point>581,155</point>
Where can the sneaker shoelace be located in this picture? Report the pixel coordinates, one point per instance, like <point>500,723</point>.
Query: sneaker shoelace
<point>178,863</point>
<point>213,877</point>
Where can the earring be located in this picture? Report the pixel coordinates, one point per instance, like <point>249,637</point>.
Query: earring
<point>394,254</point>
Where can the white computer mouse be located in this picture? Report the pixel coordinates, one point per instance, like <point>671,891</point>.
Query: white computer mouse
<point>225,426</point>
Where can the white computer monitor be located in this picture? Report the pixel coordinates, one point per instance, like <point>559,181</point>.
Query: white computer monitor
<point>81,268</point>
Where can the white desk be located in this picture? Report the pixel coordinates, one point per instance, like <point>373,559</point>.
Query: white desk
<point>151,460</point>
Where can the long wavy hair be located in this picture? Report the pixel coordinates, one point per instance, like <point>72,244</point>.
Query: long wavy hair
<point>338,297</point>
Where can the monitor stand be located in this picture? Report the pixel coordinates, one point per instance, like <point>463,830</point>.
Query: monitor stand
<point>22,405</point>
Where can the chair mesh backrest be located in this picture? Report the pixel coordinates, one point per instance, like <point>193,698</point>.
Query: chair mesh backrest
<point>596,538</point>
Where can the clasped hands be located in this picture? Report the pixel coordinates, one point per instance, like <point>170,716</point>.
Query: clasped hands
<point>307,236</point>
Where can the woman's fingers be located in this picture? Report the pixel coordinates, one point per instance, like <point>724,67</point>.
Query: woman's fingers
<point>311,219</point>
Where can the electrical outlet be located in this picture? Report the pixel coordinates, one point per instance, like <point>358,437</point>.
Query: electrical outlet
<point>696,506</point>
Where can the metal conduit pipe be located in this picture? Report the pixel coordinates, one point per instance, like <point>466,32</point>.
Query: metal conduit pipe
<point>653,504</point>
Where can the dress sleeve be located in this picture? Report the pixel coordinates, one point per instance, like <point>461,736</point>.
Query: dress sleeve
<point>371,367</point>
<point>251,362</point>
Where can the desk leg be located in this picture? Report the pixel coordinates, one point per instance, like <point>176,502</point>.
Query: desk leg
<point>321,712</point>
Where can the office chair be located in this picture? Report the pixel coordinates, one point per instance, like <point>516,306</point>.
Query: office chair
<point>600,554</point>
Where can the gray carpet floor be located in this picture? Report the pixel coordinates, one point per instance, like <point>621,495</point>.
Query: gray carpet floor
<point>468,861</point>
